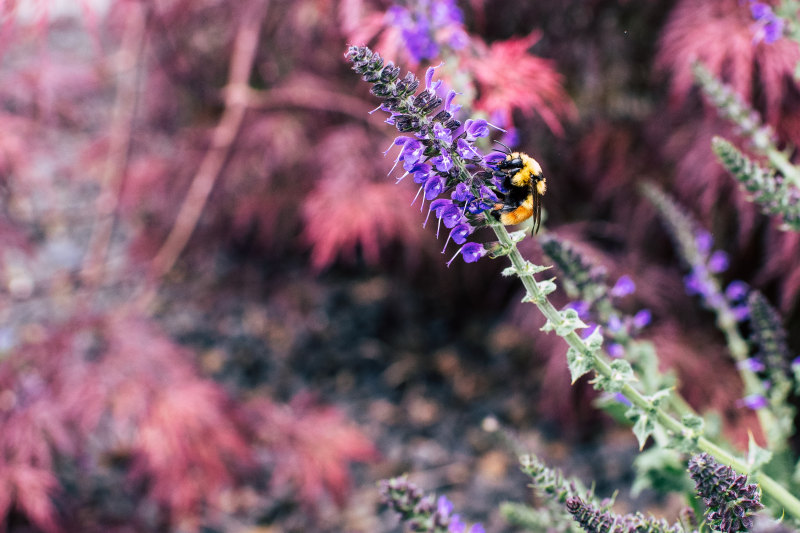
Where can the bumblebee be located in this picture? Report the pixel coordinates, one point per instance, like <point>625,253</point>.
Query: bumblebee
<point>524,185</point>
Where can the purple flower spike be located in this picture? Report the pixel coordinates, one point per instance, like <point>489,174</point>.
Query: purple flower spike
<point>796,362</point>
<point>623,287</point>
<point>477,528</point>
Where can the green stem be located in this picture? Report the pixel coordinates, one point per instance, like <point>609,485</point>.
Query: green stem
<point>779,160</point>
<point>769,486</point>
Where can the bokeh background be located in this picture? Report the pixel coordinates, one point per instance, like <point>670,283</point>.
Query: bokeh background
<point>218,313</point>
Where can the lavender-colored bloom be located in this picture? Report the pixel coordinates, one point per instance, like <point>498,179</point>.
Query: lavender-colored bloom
<point>737,291</point>
<point>437,161</point>
<point>444,507</point>
<point>465,149</point>
<point>796,362</point>
<point>718,262</point>
<point>773,30</point>
<point>461,193</point>
<point>693,284</point>
<point>753,401</point>
<point>741,312</point>
<point>421,172</point>
<point>477,528</point>
<point>456,525</point>
<point>623,287</point>
<point>460,233</point>
<point>581,307</point>
<point>451,215</point>
<point>411,153</point>
<point>591,327</point>
<point>441,133</point>
<point>642,318</point>
<point>488,195</point>
<point>443,162</point>
<point>476,129</point>
<point>752,364</point>
<point>615,350</point>
<point>434,186</point>
<point>472,251</point>
<point>622,399</point>
<point>769,25</point>
<point>760,11</point>
<point>614,323</point>
<point>704,241</point>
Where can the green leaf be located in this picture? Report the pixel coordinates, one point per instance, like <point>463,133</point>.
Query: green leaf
<point>546,286</point>
<point>517,236</point>
<point>570,321</point>
<point>579,363</point>
<point>756,455</point>
<point>693,422</point>
<point>642,425</point>
<point>659,396</point>
<point>621,374</point>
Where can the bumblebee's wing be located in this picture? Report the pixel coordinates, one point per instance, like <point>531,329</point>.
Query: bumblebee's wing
<point>537,210</point>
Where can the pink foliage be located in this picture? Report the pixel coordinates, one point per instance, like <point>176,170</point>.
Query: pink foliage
<point>308,446</point>
<point>509,78</point>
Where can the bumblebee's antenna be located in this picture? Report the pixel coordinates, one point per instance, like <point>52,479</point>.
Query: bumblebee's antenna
<point>508,150</point>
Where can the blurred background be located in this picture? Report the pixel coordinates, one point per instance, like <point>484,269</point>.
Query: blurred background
<point>218,313</point>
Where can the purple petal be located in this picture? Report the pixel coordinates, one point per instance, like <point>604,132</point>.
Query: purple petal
<point>623,287</point>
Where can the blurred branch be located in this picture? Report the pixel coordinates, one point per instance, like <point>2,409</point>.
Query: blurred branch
<point>309,93</point>
<point>236,101</point>
<point>128,71</point>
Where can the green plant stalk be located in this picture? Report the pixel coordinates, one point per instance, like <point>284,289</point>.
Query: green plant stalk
<point>739,351</point>
<point>769,486</point>
<point>779,160</point>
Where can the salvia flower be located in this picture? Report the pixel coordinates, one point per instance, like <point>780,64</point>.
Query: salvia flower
<point>594,520</point>
<point>776,196</point>
<point>422,512</point>
<point>768,25</point>
<point>695,245</point>
<point>436,149</point>
<point>597,301</point>
<point>428,25</point>
<point>730,500</point>
<point>753,401</point>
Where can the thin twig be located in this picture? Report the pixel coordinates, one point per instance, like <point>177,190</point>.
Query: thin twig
<point>127,71</point>
<point>222,139</point>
